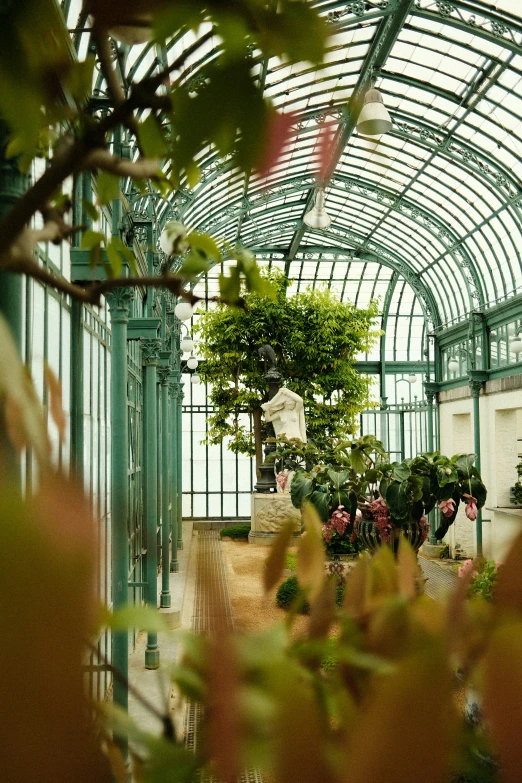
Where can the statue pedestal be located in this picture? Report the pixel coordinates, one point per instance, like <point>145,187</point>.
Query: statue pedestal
<point>270,511</point>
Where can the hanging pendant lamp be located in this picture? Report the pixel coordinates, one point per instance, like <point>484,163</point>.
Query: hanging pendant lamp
<point>317,217</point>
<point>374,118</point>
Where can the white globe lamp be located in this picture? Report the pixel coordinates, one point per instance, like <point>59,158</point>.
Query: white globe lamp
<point>195,379</point>
<point>192,363</point>
<point>187,345</point>
<point>183,311</point>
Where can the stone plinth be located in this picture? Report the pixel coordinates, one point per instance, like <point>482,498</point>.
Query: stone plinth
<point>269,513</point>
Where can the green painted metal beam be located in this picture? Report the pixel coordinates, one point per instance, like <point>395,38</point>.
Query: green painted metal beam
<point>165,598</point>
<point>381,46</point>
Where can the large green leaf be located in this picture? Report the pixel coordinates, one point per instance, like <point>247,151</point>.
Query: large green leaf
<point>446,474</point>
<point>321,502</point>
<point>300,488</point>
<point>465,463</point>
<point>401,471</point>
<point>397,500</point>
<point>338,479</point>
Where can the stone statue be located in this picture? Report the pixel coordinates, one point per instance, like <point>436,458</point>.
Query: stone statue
<point>285,411</point>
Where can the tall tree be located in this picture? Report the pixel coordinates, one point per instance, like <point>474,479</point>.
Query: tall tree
<point>316,338</point>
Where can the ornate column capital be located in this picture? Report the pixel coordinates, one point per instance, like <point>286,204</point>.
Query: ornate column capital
<point>476,381</point>
<point>163,375</point>
<point>119,302</point>
<point>150,349</point>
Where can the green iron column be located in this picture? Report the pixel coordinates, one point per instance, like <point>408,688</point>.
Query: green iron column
<point>173,388</point>
<point>476,381</point>
<point>119,303</point>
<point>165,599</point>
<point>150,353</point>
<point>430,398</point>
<point>179,465</point>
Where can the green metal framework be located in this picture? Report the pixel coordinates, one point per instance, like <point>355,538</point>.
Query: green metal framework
<point>427,219</point>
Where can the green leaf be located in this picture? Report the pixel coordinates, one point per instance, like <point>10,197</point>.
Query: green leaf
<point>300,488</point>
<point>229,287</point>
<point>479,492</point>
<point>115,260</point>
<point>194,264</point>
<point>127,253</point>
<point>204,245</point>
<point>320,501</point>
<point>144,617</point>
<point>401,471</point>
<point>107,187</point>
<point>92,238</point>
<point>465,463</point>
<point>397,500</point>
<point>151,138</point>
<point>338,479</point>
<point>79,80</point>
<point>446,474</point>
<point>90,209</point>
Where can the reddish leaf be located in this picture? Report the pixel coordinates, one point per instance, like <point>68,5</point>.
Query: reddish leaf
<point>277,135</point>
<point>275,562</point>
<point>325,149</point>
<point>55,401</point>
<point>503,696</point>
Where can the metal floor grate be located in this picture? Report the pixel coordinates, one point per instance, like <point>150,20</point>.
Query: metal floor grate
<point>439,580</point>
<point>212,610</point>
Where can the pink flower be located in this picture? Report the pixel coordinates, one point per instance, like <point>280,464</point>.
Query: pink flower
<point>282,479</point>
<point>425,526</point>
<point>328,531</point>
<point>466,567</point>
<point>340,520</point>
<point>447,507</point>
<point>471,510</point>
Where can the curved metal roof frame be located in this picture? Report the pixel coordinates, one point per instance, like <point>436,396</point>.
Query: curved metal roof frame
<point>438,199</point>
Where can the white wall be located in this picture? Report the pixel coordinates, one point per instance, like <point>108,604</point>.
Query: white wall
<point>501,445</point>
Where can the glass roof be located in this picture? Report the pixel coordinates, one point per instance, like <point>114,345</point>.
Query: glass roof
<point>434,205</point>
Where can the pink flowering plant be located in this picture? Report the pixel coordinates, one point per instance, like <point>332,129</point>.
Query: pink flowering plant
<point>364,500</point>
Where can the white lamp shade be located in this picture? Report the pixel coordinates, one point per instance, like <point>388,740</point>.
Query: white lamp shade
<point>183,311</point>
<point>453,365</point>
<point>412,377</point>
<point>317,217</point>
<point>195,378</point>
<point>173,238</point>
<point>131,34</point>
<point>187,345</point>
<point>374,119</point>
<point>511,329</point>
<point>192,363</point>
<point>516,345</point>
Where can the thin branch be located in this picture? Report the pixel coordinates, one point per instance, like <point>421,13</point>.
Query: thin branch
<point>92,293</point>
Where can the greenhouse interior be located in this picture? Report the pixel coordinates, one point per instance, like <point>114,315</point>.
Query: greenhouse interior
<point>261,390</point>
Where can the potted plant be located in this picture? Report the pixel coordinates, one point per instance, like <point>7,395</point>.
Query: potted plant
<point>360,495</point>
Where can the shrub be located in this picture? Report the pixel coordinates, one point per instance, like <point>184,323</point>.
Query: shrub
<point>237,532</point>
<point>290,591</point>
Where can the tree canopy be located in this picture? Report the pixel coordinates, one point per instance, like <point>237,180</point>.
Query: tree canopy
<point>316,338</point>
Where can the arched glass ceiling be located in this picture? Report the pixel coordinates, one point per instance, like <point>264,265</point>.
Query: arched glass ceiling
<point>437,201</point>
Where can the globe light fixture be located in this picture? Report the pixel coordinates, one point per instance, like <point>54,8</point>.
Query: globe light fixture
<point>183,311</point>
<point>453,365</point>
<point>195,379</point>
<point>515,345</point>
<point>187,345</point>
<point>374,119</point>
<point>192,363</point>
<point>317,217</point>
<point>412,377</point>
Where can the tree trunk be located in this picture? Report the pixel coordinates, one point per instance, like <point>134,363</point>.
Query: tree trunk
<point>258,439</point>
